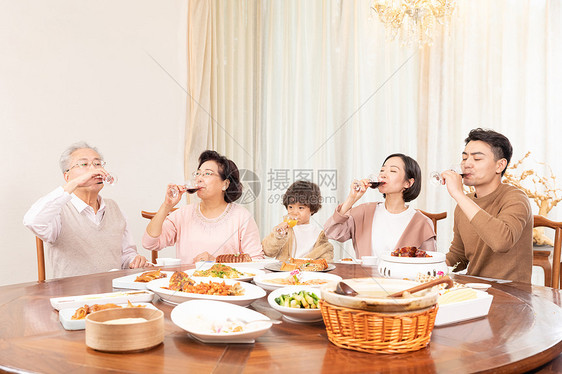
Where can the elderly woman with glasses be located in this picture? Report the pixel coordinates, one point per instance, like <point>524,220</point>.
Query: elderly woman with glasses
<point>83,233</point>
<point>215,226</point>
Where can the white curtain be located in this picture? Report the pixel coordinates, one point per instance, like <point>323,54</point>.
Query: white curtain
<point>314,89</point>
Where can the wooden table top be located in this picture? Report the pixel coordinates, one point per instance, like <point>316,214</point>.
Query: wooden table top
<point>522,331</point>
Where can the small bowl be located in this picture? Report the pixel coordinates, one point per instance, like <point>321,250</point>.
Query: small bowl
<point>296,314</point>
<point>166,261</point>
<point>370,260</point>
<point>130,337</point>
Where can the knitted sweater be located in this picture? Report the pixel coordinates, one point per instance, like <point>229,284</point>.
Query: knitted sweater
<point>83,247</point>
<point>357,225</point>
<point>498,241</point>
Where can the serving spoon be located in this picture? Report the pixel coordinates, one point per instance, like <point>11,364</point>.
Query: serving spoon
<point>343,288</point>
<point>423,286</point>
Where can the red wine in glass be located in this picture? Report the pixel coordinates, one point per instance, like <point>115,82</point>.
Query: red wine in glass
<point>192,190</point>
<point>373,184</point>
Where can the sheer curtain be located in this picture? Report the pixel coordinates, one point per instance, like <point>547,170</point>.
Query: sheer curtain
<point>314,90</point>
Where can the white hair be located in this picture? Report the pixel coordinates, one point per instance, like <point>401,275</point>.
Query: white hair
<point>64,161</point>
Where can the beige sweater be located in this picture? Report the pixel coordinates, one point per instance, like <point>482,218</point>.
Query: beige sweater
<point>83,247</point>
<point>282,248</point>
<point>358,222</point>
<point>498,241</point>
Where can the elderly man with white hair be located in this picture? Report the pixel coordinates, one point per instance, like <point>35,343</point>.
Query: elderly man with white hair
<point>83,232</point>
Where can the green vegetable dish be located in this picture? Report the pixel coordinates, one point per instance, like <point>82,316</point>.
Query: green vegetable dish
<point>302,299</point>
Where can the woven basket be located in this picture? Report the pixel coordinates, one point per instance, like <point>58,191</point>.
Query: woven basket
<point>371,332</point>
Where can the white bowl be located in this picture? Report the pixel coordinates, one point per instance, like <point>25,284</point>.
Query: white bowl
<point>410,267</point>
<point>194,316</point>
<point>296,314</point>
<point>251,292</point>
<point>370,260</point>
<point>263,280</point>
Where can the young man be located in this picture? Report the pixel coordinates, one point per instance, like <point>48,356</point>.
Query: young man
<point>493,227</point>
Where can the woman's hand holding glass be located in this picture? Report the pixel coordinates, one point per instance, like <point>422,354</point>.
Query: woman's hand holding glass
<point>176,190</point>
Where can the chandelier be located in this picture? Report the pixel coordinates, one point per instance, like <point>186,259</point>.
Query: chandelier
<point>413,21</point>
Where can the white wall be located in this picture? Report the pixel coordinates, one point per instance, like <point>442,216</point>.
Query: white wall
<point>80,70</point>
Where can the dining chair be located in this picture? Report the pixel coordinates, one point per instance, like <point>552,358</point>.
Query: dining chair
<point>434,217</point>
<point>541,257</point>
<point>150,215</point>
<point>40,260</point>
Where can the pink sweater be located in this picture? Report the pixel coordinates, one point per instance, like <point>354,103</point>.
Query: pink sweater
<point>357,225</point>
<point>235,231</point>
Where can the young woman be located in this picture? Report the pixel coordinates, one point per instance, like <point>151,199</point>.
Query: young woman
<point>214,226</point>
<point>379,228</point>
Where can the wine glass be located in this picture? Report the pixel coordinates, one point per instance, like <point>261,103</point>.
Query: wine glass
<point>435,176</point>
<point>191,186</point>
<point>374,182</point>
<point>110,179</point>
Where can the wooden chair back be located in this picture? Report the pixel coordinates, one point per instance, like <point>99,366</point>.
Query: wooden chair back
<point>434,217</point>
<point>540,256</point>
<point>150,215</point>
<point>40,260</point>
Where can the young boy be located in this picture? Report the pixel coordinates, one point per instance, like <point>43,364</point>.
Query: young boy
<point>303,240</point>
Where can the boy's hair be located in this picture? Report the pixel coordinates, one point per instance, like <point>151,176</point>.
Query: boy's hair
<point>305,193</point>
<point>500,144</point>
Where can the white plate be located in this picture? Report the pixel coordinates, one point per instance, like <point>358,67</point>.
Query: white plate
<point>296,314</point>
<point>255,264</point>
<point>262,280</point>
<point>479,286</point>
<point>251,292</point>
<point>194,315</point>
<point>277,267</point>
<point>241,269</point>
<point>435,257</point>
<point>65,316</point>
<point>354,261</point>
<point>128,281</point>
<point>464,310</point>
<point>102,298</point>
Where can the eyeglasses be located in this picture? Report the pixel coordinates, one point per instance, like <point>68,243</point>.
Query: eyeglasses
<point>203,173</point>
<point>82,164</point>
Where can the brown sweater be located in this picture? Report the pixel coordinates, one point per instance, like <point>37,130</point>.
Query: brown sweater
<point>498,242</point>
<point>357,225</point>
<point>282,248</point>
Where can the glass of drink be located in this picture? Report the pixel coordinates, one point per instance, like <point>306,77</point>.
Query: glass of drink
<point>191,187</point>
<point>374,182</point>
<point>110,179</point>
<point>291,221</point>
<point>435,176</point>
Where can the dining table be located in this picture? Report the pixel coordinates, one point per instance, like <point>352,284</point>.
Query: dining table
<point>521,333</point>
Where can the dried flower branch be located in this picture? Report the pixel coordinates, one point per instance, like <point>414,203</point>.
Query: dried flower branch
<point>541,189</point>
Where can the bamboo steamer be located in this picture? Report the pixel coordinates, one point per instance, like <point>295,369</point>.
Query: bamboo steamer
<point>138,336</point>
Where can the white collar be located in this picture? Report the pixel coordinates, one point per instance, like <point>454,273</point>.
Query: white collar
<point>80,205</point>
